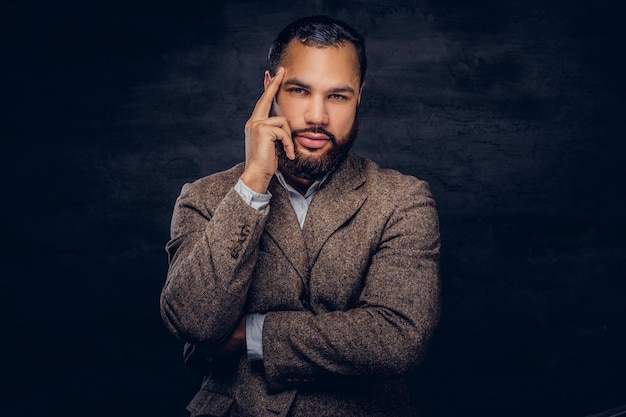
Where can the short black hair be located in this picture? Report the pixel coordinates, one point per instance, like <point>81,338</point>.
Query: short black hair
<point>319,31</point>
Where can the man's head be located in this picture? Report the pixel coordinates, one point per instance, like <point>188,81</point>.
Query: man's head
<point>321,32</point>
<point>325,65</point>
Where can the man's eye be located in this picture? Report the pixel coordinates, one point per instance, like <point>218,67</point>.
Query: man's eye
<point>337,97</point>
<point>298,91</point>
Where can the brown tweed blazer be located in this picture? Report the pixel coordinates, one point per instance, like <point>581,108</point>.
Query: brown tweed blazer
<point>352,299</point>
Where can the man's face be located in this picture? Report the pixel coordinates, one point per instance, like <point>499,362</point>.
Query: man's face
<point>319,96</point>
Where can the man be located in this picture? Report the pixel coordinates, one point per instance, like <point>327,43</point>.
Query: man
<point>304,281</point>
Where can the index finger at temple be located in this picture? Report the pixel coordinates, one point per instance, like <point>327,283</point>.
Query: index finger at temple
<point>264,104</point>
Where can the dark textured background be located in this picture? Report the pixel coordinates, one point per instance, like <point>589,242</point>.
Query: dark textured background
<point>512,110</point>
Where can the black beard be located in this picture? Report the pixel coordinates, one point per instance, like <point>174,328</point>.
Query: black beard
<point>314,167</point>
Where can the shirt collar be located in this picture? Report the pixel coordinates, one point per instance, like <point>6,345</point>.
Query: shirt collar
<point>312,188</point>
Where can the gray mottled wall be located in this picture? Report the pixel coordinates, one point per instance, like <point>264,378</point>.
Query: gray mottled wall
<point>512,111</point>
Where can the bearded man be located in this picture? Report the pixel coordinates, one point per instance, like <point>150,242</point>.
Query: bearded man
<point>305,280</point>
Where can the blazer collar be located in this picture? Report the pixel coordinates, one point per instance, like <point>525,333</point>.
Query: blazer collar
<point>282,226</point>
<point>335,203</point>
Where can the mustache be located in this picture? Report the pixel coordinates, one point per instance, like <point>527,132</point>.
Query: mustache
<point>314,129</point>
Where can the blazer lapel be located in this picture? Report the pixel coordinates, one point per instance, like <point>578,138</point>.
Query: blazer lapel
<point>333,205</point>
<point>282,226</point>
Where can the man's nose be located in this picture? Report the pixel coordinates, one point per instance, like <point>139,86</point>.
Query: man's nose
<point>316,113</point>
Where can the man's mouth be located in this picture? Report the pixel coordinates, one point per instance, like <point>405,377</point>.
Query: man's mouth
<point>312,141</point>
<point>313,138</point>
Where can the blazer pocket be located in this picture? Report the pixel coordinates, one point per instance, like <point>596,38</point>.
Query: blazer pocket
<point>209,404</point>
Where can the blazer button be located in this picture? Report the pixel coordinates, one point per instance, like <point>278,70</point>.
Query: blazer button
<point>234,253</point>
<point>245,230</point>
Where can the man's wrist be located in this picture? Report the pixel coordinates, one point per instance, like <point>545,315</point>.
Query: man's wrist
<point>255,200</point>
<point>257,183</point>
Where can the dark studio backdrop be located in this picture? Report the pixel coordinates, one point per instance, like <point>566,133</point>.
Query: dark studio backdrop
<point>512,111</point>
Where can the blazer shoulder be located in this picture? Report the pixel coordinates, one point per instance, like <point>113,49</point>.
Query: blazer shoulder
<point>214,187</point>
<point>391,184</point>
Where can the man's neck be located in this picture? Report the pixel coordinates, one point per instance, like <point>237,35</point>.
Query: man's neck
<point>301,185</point>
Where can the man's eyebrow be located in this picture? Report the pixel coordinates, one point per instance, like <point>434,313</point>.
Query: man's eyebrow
<point>346,89</point>
<point>301,84</point>
<point>296,82</point>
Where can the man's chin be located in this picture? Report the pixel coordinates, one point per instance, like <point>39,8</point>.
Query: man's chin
<point>314,163</point>
<point>312,166</point>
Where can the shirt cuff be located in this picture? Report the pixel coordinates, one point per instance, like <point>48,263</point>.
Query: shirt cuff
<point>255,200</point>
<point>254,336</point>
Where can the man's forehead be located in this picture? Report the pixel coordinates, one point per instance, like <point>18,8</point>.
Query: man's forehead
<point>330,62</point>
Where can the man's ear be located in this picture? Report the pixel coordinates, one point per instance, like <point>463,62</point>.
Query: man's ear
<point>358,100</point>
<point>267,78</point>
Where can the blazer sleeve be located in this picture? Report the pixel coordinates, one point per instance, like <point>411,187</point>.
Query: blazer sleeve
<point>398,310</point>
<point>212,252</point>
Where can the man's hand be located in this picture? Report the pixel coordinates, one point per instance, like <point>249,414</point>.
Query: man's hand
<point>261,133</point>
<point>236,343</point>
